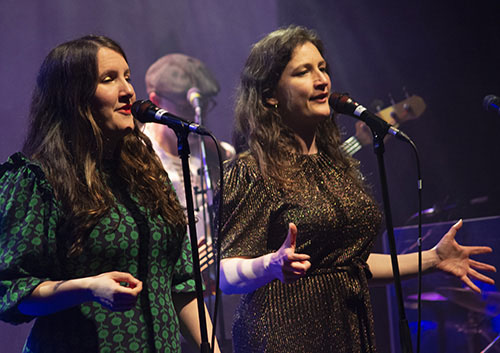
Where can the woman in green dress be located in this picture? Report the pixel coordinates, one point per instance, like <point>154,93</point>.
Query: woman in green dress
<point>92,240</point>
<point>298,224</point>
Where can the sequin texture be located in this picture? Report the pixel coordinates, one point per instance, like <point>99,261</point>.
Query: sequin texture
<point>329,309</point>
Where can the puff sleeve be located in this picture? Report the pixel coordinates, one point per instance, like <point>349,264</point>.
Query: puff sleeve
<point>248,210</point>
<point>29,216</point>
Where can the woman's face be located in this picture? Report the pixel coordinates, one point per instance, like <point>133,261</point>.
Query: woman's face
<point>303,89</point>
<point>114,95</point>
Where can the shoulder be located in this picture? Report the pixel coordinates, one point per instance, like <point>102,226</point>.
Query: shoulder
<point>242,165</point>
<point>19,162</point>
<point>242,172</point>
<point>19,172</point>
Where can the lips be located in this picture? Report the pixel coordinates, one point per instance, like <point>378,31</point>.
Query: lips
<point>320,97</point>
<point>126,109</point>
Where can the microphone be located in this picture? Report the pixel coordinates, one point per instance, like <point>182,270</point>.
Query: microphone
<point>193,96</point>
<point>491,103</point>
<point>344,104</point>
<point>147,112</point>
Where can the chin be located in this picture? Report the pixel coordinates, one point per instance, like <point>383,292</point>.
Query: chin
<point>322,117</point>
<point>124,131</point>
<point>127,130</point>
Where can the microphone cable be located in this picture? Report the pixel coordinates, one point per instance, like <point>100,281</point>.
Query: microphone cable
<point>216,239</point>
<point>419,244</point>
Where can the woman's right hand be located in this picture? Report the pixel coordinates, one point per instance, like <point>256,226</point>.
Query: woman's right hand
<point>286,265</point>
<point>107,290</point>
<point>243,275</point>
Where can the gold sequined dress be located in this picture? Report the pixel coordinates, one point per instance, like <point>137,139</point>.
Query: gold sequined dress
<point>329,310</point>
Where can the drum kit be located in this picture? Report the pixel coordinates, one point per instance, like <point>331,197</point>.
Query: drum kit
<point>480,308</point>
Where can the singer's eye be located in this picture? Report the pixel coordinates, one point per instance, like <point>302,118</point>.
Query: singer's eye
<point>106,79</point>
<point>301,73</point>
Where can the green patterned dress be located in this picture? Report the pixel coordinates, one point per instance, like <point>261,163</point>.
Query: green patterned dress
<point>329,309</point>
<point>129,239</point>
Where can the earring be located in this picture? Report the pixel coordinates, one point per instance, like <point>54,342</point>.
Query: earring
<point>276,106</point>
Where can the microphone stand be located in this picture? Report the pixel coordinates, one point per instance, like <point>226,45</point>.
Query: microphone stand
<point>204,190</point>
<point>184,151</point>
<point>404,329</point>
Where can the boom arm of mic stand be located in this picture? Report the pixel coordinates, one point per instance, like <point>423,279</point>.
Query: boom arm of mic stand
<point>183,150</point>
<point>404,329</point>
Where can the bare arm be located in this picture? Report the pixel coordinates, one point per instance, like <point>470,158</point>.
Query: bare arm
<point>186,306</point>
<point>53,296</point>
<point>447,256</point>
<point>243,275</point>
<point>381,266</point>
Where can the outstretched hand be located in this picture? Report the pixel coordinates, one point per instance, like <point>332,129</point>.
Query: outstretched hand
<point>107,290</point>
<point>455,259</point>
<point>286,265</point>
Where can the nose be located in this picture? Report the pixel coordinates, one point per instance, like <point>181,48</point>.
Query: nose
<point>126,89</point>
<point>322,79</point>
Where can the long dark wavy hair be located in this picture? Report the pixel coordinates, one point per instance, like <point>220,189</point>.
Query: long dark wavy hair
<point>259,127</point>
<point>65,139</point>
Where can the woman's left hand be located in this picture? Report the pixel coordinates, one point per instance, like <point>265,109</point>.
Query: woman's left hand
<point>455,259</point>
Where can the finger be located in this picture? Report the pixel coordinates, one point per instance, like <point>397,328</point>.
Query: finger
<point>291,237</point>
<point>475,250</point>
<point>470,284</point>
<point>124,277</point>
<point>482,266</point>
<point>297,257</point>
<point>457,225</point>
<point>137,289</point>
<point>294,273</point>
<point>452,232</point>
<point>481,277</point>
<point>297,266</point>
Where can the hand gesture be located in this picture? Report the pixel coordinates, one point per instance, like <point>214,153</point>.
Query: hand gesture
<point>106,289</point>
<point>455,259</point>
<point>286,265</point>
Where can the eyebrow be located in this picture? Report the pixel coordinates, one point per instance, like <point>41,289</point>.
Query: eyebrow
<point>307,64</point>
<point>109,71</point>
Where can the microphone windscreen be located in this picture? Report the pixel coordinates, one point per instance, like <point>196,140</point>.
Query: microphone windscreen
<point>192,94</point>
<point>342,103</point>
<point>491,103</point>
<point>140,109</point>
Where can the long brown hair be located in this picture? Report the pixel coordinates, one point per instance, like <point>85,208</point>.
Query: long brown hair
<point>259,126</point>
<point>65,139</point>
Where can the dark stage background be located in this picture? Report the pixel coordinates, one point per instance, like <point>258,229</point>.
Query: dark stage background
<point>445,51</point>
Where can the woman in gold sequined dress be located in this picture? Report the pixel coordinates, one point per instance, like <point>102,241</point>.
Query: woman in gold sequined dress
<point>298,225</point>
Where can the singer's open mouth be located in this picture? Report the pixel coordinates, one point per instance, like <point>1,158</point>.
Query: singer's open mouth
<point>320,97</point>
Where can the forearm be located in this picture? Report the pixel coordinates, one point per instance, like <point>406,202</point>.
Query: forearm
<point>186,307</point>
<point>52,296</point>
<point>381,266</point>
<point>241,275</point>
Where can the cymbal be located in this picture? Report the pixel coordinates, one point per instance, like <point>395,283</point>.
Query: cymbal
<point>487,302</point>
<point>428,297</point>
<point>411,300</point>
